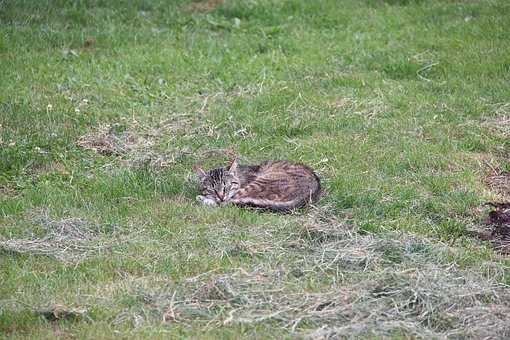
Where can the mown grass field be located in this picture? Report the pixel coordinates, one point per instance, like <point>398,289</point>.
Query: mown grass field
<point>402,107</point>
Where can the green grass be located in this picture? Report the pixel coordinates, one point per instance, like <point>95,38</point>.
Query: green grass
<point>399,106</point>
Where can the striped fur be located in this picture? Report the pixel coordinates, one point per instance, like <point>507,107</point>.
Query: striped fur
<point>273,185</point>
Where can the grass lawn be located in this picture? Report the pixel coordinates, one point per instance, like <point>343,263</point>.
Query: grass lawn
<point>402,107</point>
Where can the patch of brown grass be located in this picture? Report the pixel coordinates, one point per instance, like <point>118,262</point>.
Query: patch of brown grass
<point>69,240</point>
<point>500,122</point>
<point>203,6</point>
<point>106,140</point>
<point>332,282</point>
<point>431,301</point>
<point>134,145</point>
<point>499,182</point>
<point>7,190</point>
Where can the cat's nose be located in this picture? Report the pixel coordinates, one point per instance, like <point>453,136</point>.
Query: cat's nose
<point>221,195</point>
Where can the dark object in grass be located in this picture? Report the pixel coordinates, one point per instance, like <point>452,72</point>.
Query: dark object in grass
<point>499,221</point>
<point>58,312</point>
<point>89,42</point>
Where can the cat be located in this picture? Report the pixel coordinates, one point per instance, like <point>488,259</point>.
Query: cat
<point>274,185</point>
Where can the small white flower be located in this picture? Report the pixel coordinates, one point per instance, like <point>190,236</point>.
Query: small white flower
<point>40,151</point>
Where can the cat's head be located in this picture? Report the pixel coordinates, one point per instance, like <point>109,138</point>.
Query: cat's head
<point>219,184</point>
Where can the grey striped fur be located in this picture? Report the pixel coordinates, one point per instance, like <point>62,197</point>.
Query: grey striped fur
<point>274,185</point>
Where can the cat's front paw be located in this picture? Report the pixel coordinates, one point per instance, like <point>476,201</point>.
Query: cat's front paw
<point>207,201</point>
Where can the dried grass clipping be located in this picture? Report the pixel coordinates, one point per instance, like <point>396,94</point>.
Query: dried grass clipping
<point>67,239</point>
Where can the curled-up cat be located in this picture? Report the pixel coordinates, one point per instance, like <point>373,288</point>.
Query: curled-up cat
<point>273,185</point>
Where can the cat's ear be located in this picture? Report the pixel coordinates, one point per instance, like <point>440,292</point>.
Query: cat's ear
<point>200,172</point>
<point>233,165</point>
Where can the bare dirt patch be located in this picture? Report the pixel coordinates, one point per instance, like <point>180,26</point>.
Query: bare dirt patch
<point>498,227</point>
<point>497,224</point>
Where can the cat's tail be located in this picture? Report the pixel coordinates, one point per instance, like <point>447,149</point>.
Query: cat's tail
<point>263,203</point>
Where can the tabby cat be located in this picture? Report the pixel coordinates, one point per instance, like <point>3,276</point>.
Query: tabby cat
<point>273,185</point>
